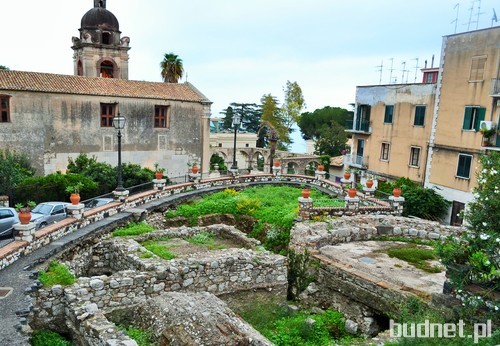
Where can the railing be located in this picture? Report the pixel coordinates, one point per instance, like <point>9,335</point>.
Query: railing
<point>356,160</point>
<point>359,126</point>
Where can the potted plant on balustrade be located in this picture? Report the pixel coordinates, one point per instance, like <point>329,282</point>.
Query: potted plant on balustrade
<point>74,191</point>
<point>369,181</point>
<point>159,171</point>
<point>24,211</point>
<point>347,173</point>
<point>487,134</point>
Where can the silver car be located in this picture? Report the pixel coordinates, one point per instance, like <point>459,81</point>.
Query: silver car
<point>8,218</point>
<point>47,213</point>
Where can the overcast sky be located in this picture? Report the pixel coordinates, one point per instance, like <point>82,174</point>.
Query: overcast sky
<point>237,51</point>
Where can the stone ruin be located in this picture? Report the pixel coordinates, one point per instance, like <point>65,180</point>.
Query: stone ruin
<point>184,301</point>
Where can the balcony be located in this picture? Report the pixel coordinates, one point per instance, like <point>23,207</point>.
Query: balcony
<point>355,160</point>
<point>358,127</point>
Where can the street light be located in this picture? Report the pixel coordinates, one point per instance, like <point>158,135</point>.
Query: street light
<point>236,123</point>
<point>119,124</point>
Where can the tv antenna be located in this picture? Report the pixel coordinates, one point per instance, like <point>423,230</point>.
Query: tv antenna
<point>457,7</point>
<point>471,10</point>
<point>404,70</point>
<point>380,67</point>
<point>416,69</point>
<point>391,69</point>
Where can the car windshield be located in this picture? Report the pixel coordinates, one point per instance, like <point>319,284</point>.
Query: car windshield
<point>44,209</point>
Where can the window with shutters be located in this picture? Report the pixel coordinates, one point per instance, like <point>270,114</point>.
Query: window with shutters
<point>477,68</point>
<point>419,116</point>
<point>384,151</point>
<point>414,157</point>
<point>389,112</point>
<point>107,114</point>
<point>161,117</point>
<point>473,115</point>
<point>464,164</point>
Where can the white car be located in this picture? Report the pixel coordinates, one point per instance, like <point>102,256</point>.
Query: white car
<point>47,213</point>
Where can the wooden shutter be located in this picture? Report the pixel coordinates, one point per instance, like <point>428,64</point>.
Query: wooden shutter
<point>467,118</point>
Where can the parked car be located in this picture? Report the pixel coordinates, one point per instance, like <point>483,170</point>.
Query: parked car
<point>97,202</point>
<point>8,218</point>
<point>48,212</point>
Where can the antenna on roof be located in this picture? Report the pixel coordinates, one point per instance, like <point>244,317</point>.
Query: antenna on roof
<point>478,12</point>
<point>391,69</point>
<point>404,70</point>
<point>416,69</point>
<point>471,10</point>
<point>380,67</point>
<point>457,6</point>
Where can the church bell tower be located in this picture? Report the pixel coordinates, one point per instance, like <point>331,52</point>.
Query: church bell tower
<point>99,51</point>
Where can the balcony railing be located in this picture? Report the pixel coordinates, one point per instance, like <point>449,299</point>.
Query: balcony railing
<point>359,126</point>
<point>356,160</point>
<point>495,87</point>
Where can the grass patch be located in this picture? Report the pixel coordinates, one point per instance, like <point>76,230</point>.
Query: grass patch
<point>285,329</point>
<point>205,239</point>
<point>407,240</point>
<point>274,208</point>
<point>416,256</point>
<point>56,274</point>
<point>133,228</point>
<point>159,250</point>
<point>48,338</point>
<point>142,337</point>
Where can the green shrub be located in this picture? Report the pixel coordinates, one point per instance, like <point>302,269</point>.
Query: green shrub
<point>142,337</point>
<point>133,228</point>
<point>48,338</point>
<point>56,274</point>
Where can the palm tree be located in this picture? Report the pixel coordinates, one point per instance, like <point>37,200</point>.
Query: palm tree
<point>171,68</point>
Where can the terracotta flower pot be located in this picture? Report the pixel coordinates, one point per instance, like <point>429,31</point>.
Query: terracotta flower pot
<point>276,163</point>
<point>74,198</point>
<point>396,192</point>
<point>352,193</point>
<point>306,193</point>
<point>24,217</point>
<point>159,175</point>
<point>347,175</point>
<point>369,183</point>
<point>194,169</point>
<point>321,168</point>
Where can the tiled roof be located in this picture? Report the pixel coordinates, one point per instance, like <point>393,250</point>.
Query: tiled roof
<point>66,84</point>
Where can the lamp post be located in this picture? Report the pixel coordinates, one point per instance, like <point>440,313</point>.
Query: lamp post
<point>236,123</point>
<point>119,124</point>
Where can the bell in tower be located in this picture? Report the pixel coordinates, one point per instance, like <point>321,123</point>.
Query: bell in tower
<point>100,51</point>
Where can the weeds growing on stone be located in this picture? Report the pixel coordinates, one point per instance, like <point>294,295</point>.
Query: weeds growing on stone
<point>133,228</point>
<point>159,250</point>
<point>205,239</point>
<point>48,338</point>
<point>416,256</point>
<point>142,337</point>
<point>56,274</point>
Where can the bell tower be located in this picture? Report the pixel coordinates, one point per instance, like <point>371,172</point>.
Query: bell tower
<point>100,51</point>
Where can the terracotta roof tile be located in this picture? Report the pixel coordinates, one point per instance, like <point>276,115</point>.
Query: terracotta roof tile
<point>67,84</point>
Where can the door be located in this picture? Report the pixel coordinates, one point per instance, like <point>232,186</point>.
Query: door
<point>456,213</point>
<point>360,151</point>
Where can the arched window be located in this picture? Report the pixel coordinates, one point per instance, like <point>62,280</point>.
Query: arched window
<point>106,69</point>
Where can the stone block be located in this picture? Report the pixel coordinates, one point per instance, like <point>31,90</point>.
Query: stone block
<point>385,230</point>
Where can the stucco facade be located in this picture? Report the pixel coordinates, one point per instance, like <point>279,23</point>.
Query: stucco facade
<point>468,94</point>
<point>391,139</point>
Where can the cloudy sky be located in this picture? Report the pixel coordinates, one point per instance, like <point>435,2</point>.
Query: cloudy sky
<point>237,51</point>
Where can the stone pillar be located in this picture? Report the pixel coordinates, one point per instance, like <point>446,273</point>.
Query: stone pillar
<point>25,232</point>
<point>352,205</point>
<point>4,201</point>
<point>194,177</point>
<point>346,184</point>
<point>397,204</point>
<point>305,206</point>
<point>159,184</point>
<point>319,175</point>
<point>75,210</point>
<point>369,192</point>
<point>121,196</point>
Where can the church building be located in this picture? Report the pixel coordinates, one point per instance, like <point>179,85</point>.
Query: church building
<point>52,117</point>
